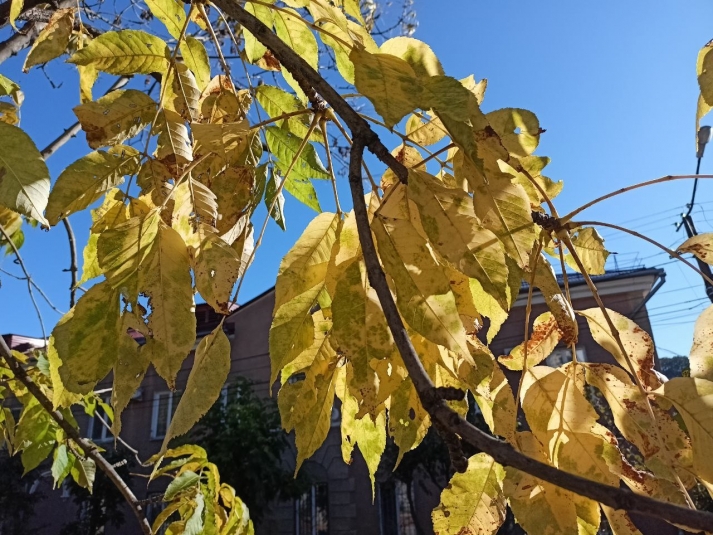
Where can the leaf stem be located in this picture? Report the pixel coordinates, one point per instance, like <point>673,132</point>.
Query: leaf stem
<point>323,126</point>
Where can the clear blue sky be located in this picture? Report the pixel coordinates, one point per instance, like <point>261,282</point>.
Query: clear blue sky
<point>612,82</point>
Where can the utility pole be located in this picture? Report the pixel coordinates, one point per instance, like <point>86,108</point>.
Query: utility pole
<point>704,136</point>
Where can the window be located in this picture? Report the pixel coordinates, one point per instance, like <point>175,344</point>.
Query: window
<point>164,406</point>
<point>335,419</point>
<point>394,511</point>
<point>563,356</point>
<point>153,508</point>
<point>311,511</point>
<point>97,431</point>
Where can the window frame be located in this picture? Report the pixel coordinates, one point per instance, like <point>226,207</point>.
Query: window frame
<point>399,491</point>
<point>106,435</point>
<point>313,494</point>
<point>169,413</point>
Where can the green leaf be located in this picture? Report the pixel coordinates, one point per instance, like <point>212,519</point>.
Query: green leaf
<point>85,180</point>
<point>165,279</point>
<point>115,117</point>
<point>390,83</point>
<point>86,339</point>
<point>24,178</point>
<point>185,481</point>
<point>124,52</point>
<point>297,35</point>
<point>52,40</point>
<point>449,219</point>
<point>408,420</point>
<point>11,89</point>
<point>254,49</point>
<point>285,145</point>
<point>208,374</point>
<point>277,102</point>
<point>278,212</point>
<point>196,59</point>
<point>473,502</point>
<point>61,464</point>
<point>416,53</point>
<point>171,13</point>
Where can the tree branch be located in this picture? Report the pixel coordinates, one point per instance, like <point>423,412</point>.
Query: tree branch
<point>501,451</point>
<point>72,261</point>
<point>19,41</point>
<point>90,450</point>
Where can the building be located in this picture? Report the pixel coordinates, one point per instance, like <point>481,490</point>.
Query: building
<point>339,502</point>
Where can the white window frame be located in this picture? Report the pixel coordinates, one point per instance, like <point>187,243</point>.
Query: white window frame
<point>581,355</point>
<point>154,413</point>
<point>313,503</point>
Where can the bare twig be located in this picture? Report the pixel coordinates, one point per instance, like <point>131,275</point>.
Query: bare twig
<point>90,450</point>
<point>72,261</point>
<point>29,282</point>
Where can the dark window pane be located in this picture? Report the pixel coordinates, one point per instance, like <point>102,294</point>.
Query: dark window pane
<point>387,506</point>
<point>321,509</point>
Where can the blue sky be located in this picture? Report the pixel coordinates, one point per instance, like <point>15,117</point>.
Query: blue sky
<point>613,83</point>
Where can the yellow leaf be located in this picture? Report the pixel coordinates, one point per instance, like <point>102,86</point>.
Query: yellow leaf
<point>366,433</point>
<point>423,292</point>
<point>541,507</point>
<point>9,113</point>
<point>86,339</point>
<point>87,77</point>
<point>704,69</point>
<point>129,369</point>
<point>217,267</point>
<point>408,420</point>
<point>52,40</point>
<point>321,347</point>
<point>173,145</point>
<point>416,53</point>
<point>8,88</point>
<point>124,52</point>
<point>122,249</point>
<point>208,374</point>
<point>701,246</point>
<point>701,354</point>
<point>620,522</point>
<point>299,37</point>
<point>360,333</point>
<point>348,32</point>
<point>519,130</point>
<point>196,59</point>
<point>15,10</point>
<point>115,117</point>
<point>182,93</point>
<point>226,140</point>
<point>305,265</point>
<point>306,405</point>
<point>85,180</point>
<point>555,299</point>
<point>24,178</point>
<point>164,277</point>
<point>693,398</point>
<point>233,189</point>
<point>473,502</point>
<point>638,344</point>
<point>589,246</point>
<point>544,337</point>
<point>504,208</point>
<point>390,83</point>
<point>449,219</point>
<point>171,13</point>
<point>11,221</point>
<point>489,307</point>
<point>425,133</point>
<point>662,443</point>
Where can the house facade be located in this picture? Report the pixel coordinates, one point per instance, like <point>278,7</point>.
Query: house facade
<point>340,499</point>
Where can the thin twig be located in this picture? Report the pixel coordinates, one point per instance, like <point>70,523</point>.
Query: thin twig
<point>43,294</point>
<point>29,282</point>
<point>72,263</point>
<point>668,178</point>
<point>90,450</point>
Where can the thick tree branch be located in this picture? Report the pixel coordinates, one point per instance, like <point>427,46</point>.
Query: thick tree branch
<point>501,451</point>
<point>90,450</point>
<point>19,41</point>
<point>27,6</point>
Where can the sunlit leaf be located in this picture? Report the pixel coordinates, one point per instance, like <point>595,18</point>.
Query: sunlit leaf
<point>589,246</point>
<point>52,40</point>
<point>171,12</point>
<point>208,374</point>
<point>473,501</point>
<point>85,180</point>
<point>416,53</point>
<point>196,59</point>
<point>11,89</point>
<point>124,52</point>
<point>24,178</point>
<point>115,117</point>
<point>544,337</point>
<point>700,245</point>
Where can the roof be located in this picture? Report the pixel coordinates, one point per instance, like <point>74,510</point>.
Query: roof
<point>577,279</point>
